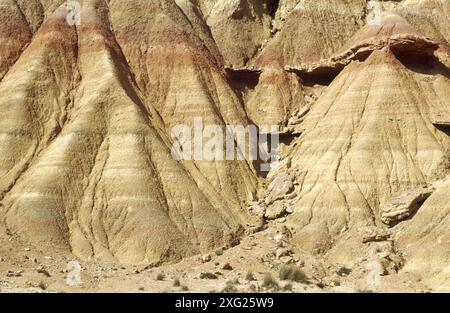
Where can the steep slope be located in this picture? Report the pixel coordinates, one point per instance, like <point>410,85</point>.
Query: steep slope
<point>104,184</point>
<point>87,114</point>
<point>430,17</point>
<point>426,239</point>
<point>313,30</point>
<point>369,136</point>
<point>279,93</point>
<point>181,80</point>
<point>389,30</point>
<point>36,97</point>
<point>14,34</point>
<point>239,27</point>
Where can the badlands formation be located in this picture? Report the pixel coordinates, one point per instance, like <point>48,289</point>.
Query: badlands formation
<point>360,200</point>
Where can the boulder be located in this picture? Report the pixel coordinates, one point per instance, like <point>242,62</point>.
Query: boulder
<point>404,206</point>
<point>275,211</point>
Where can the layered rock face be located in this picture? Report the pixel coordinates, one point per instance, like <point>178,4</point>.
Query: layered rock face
<point>368,136</point>
<point>359,89</point>
<point>87,158</point>
<point>426,239</point>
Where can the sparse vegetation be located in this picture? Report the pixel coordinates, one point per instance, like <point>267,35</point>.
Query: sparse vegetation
<point>344,271</point>
<point>219,252</point>
<point>208,275</point>
<point>227,267</point>
<point>292,273</point>
<point>42,270</point>
<point>42,285</point>
<point>176,282</point>
<point>229,287</point>
<point>184,288</point>
<point>250,276</point>
<point>160,276</point>
<point>270,282</point>
<point>288,287</point>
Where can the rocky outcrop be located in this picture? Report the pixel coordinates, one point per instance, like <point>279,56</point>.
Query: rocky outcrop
<point>426,239</point>
<point>375,234</point>
<point>276,97</point>
<point>239,27</point>
<point>324,28</point>
<point>361,99</point>
<point>360,147</point>
<point>88,160</point>
<point>429,17</point>
<point>392,31</point>
<point>405,205</point>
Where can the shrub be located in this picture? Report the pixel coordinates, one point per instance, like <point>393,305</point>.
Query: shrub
<point>219,252</point>
<point>184,288</point>
<point>208,275</point>
<point>229,287</point>
<point>344,271</point>
<point>42,285</point>
<point>288,287</point>
<point>176,282</point>
<point>43,271</point>
<point>269,281</point>
<point>292,273</point>
<point>160,276</point>
<point>227,267</point>
<point>250,276</point>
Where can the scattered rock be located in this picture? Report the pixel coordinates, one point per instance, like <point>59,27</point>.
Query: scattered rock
<point>374,234</point>
<point>280,252</point>
<point>287,259</point>
<point>283,230</point>
<point>280,186</point>
<point>275,211</point>
<point>43,270</point>
<point>14,274</point>
<point>257,209</point>
<point>206,258</point>
<point>278,238</point>
<point>391,264</point>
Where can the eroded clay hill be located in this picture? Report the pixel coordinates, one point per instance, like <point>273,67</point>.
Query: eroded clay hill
<point>359,88</point>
